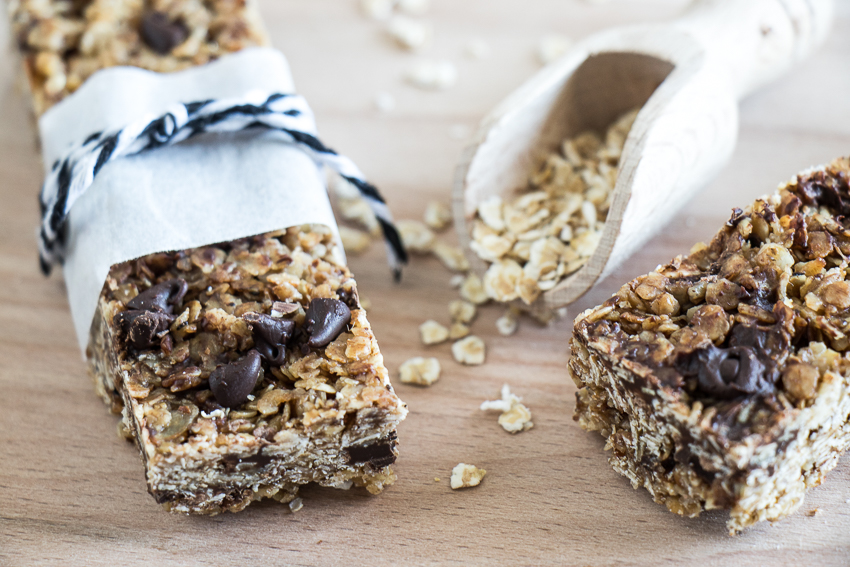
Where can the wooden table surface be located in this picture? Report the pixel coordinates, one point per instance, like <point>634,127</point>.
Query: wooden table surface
<point>72,493</point>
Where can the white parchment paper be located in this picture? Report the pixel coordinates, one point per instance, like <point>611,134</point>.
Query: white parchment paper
<point>210,189</point>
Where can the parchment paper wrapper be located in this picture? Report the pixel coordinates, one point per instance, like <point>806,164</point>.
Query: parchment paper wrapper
<point>210,189</point>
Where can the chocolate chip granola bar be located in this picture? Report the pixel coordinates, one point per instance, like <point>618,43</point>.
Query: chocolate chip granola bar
<point>244,370</point>
<point>722,379</point>
<point>63,42</point>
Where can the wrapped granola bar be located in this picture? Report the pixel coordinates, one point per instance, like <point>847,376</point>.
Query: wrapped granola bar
<point>200,252</point>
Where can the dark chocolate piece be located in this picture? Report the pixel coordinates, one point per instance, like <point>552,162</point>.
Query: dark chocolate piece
<point>326,319</point>
<point>142,329</point>
<point>378,455</point>
<point>161,297</point>
<point>270,335</point>
<point>161,34</point>
<point>233,383</point>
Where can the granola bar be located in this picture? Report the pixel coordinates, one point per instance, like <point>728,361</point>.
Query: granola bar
<point>722,379</point>
<point>244,370</point>
<point>63,42</point>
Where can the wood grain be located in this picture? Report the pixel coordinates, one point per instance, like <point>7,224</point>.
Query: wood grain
<point>72,493</point>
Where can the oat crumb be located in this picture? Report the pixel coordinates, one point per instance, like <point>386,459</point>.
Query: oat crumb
<point>515,416</point>
<point>410,33</point>
<point>814,512</point>
<point>296,505</point>
<point>470,350</point>
<point>432,74</point>
<point>508,323</point>
<point>433,333</point>
<point>354,241</point>
<point>465,476</point>
<point>420,371</point>
<point>438,215</point>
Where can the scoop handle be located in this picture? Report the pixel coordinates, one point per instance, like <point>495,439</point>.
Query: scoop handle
<point>755,41</point>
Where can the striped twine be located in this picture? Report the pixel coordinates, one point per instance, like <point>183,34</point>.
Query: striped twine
<point>289,114</point>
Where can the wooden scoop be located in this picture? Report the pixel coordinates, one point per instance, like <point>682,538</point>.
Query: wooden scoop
<point>686,76</point>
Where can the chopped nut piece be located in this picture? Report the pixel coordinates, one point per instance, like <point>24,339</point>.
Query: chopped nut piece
<point>465,476</point>
<point>470,350</point>
<point>354,241</point>
<point>420,371</point>
<point>437,215</point>
<point>433,333</point>
<point>801,381</point>
<point>515,416</point>
<point>416,236</point>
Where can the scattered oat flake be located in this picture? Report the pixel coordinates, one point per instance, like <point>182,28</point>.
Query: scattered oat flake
<point>410,33</point>
<point>437,215</point>
<point>470,350</point>
<point>296,505</point>
<point>452,257</point>
<point>433,333</point>
<point>465,476</point>
<point>552,47</point>
<point>462,311</point>
<point>354,241</point>
<point>416,236</point>
<point>472,290</point>
<point>414,7</point>
<point>508,323</point>
<point>384,102</point>
<point>457,280</point>
<point>432,74</point>
<point>458,331</point>
<point>477,48</point>
<point>515,416</point>
<point>420,371</point>
<point>436,479</point>
<point>377,9</point>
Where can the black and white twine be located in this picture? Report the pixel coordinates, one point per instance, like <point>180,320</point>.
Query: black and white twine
<point>288,114</point>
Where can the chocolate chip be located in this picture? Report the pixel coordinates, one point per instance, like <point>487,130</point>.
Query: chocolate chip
<point>727,373</point>
<point>325,320</point>
<point>161,297</point>
<point>270,335</point>
<point>378,455</point>
<point>231,384</point>
<point>161,34</point>
<point>142,328</point>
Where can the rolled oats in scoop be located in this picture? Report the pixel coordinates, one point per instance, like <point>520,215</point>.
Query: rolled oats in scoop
<point>548,231</point>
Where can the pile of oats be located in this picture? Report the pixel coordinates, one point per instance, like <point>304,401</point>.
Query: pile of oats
<point>546,233</point>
